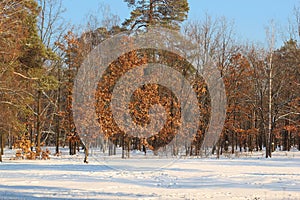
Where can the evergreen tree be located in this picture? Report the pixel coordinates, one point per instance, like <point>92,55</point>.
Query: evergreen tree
<point>26,76</point>
<point>165,13</point>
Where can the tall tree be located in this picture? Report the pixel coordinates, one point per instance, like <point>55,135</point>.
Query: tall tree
<point>159,13</point>
<point>51,28</point>
<point>271,43</point>
<point>214,38</point>
<point>165,13</point>
<point>22,65</point>
<point>286,94</point>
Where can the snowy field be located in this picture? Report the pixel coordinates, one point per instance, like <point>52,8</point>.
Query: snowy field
<point>248,176</point>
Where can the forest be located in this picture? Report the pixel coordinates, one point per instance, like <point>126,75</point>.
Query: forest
<point>40,55</point>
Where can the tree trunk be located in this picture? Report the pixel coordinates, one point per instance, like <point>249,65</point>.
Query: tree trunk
<point>38,122</point>
<point>269,138</point>
<point>72,146</point>
<point>213,150</point>
<point>57,136</point>
<point>128,148</point>
<point>1,149</point>
<point>284,140</point>
<point>58,114</point>
<point>123,147</point>
<point>232,142</point>
<point>86,154</point>
<point>2,144</point>
<point>299,142</point>
<point>31,136</point>
<point>114,149</point>
<point>250,143</point>
<point>10,142</point>
<point>218,148</point>
<point>226,143</point>
<point>289,141</point>
<point>110,148</point>
<point>261,139</point>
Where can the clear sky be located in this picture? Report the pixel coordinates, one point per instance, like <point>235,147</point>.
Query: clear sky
<point>250,17</point>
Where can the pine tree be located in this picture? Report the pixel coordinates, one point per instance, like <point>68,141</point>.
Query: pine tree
<point>165,13</point>
<point>25,75</point>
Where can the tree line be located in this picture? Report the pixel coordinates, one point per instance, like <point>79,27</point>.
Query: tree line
<point>40,55</point>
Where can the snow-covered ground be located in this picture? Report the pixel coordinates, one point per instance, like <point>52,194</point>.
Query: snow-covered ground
<point>248,176</point>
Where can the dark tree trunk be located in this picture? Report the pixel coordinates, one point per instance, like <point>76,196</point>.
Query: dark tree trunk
<point>2,144</point>
<point>57,139</point>
<point>72,147</point>
<point>269,146</point>
<point>218,148</point>
<point>114,149</point>
<point>260,141</point>
<point>31,136</point>
<point>128,148</point>
<point>1,148</point>
<point>232,142</point>
<point>284,134</point>
<point>110,148</point>
<point>191,150</point>
<point>38,121</point>
<point>86,154</point>
<point>299,142</point>
<point>250,143</point>
<point>226,143</point>
<point>213,150</point>
<point>123,146</point>
<point>58,114</point>
<point>289,141</point>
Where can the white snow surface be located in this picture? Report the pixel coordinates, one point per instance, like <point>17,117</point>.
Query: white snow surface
<point>246,176</point>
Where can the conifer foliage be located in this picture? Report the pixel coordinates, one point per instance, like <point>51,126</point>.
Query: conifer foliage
<point>164,13</point>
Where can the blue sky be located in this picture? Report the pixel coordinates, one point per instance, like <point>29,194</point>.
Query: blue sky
<point>250,16</point>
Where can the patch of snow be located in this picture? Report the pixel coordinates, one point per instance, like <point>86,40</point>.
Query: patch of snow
<point>250,177</point>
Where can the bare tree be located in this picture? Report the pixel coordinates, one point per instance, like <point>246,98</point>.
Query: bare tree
<point>214,39</point>
<point>271,37</point>
<point>52,27</point>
